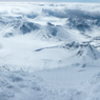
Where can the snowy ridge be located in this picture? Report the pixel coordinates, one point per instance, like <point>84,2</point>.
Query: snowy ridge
<point>49,51</point>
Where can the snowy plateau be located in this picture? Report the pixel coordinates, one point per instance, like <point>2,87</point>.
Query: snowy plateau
<point>49,51</point>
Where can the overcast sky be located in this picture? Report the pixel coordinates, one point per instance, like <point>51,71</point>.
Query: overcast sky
<point>57,0</point>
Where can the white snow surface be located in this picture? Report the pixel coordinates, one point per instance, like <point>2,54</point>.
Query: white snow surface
<point>49,51</point>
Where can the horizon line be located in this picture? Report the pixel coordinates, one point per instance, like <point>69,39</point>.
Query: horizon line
<point>72,1</point>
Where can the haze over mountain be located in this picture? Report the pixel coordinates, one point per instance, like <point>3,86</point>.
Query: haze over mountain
<point>50,0</point>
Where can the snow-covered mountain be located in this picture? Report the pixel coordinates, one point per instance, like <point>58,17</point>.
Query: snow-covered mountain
<point>49,51</point>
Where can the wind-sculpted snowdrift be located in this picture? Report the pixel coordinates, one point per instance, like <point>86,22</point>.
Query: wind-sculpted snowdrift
<point>49,51</point>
